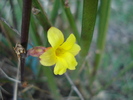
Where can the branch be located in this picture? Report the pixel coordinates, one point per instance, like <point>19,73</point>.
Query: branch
<point>25,30</point>
<point>16,83</point>
<point>74,87</point>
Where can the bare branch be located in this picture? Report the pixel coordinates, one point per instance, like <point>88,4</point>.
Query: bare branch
<point>74,87</point>
<point>16,83</point>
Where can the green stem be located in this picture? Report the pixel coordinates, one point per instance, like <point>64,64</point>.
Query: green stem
<point>88,24</point>
<point>101,40</point>
<point>71,19</point>
<point>34,34</point>
<point>78,8</point>
<point>54,12</point>
<point>43,69</point>
<point>45,23</point>
<point>51,82</point>
<point>41,15</point>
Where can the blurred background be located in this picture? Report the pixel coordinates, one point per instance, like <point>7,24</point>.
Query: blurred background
<point>113,81</point>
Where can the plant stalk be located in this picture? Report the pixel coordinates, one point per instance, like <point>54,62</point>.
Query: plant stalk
<point>88,24</point>
<point>71,19</point>
<point>25,31</point>
<point>54,12</point>
<point>101,40</point>
<point>16,83</point>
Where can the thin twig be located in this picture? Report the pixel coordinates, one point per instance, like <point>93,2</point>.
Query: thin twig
<point>1,97</point>
<point>34,87</point>
<point>1,88</point>
<point>16,83</point>
<point>74,87</point>
<point>70,94</point>
<point>14,80</point>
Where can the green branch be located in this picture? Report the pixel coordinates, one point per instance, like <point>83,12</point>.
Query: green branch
<point>88,24</point>
<point>101,40</point>
<point>71,19</point>
<point>40,14</point>
<point>54,12</point>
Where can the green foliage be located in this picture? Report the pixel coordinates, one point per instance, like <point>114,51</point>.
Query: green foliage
<point>105,63</point>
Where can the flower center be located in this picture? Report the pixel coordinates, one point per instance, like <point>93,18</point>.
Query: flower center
<point>59,51</point>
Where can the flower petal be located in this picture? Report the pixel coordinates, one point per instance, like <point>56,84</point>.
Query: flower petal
<point>36,51</point>
<point>75,49</point>
<point>70,59</point>
<point>48,58</point>
<point>55,37</point>
<point>60,67</point>
<point>68,44</point>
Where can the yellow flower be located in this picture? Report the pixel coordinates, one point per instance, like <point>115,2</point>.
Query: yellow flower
<point>61,54</point>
